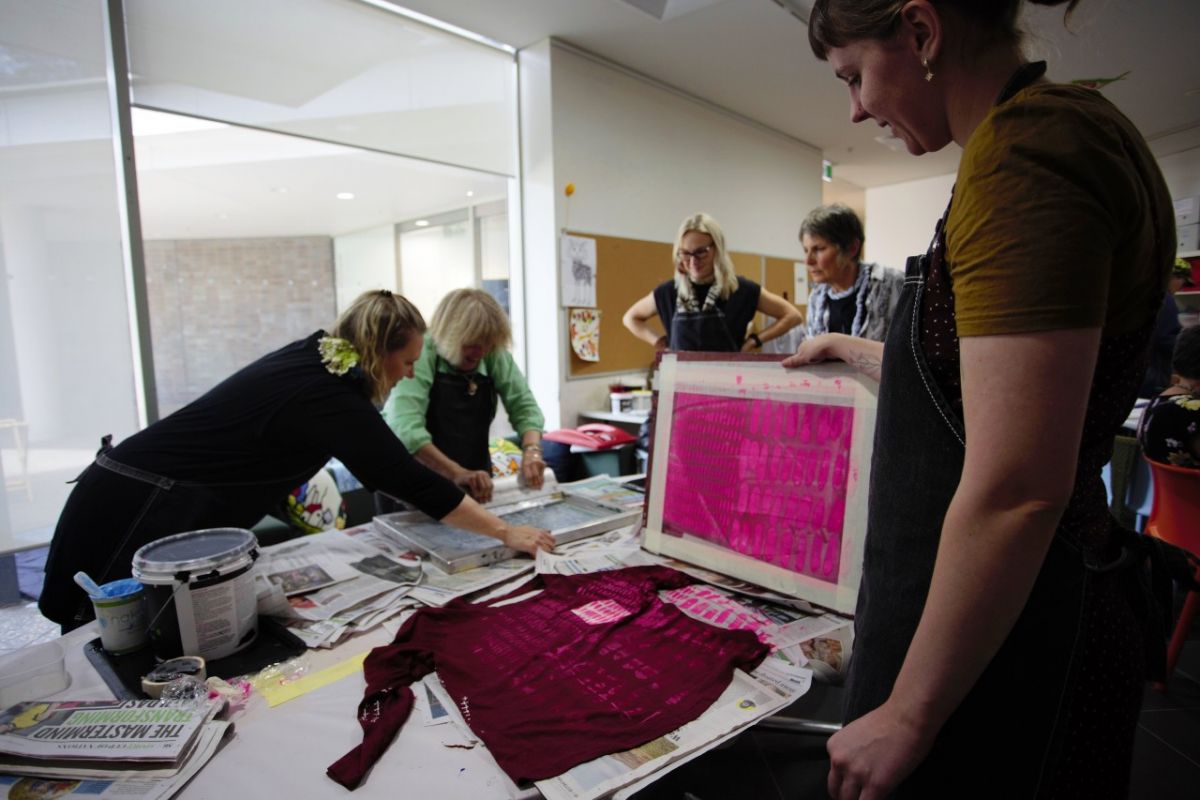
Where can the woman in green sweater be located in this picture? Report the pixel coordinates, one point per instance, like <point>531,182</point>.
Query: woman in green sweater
<point>444,413</point>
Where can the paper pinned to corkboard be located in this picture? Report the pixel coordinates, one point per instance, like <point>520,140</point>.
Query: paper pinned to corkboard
<point>585,333</point>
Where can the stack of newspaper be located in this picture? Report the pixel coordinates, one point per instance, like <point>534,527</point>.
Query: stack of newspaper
<point>144,749</point>
<point>331,585</point>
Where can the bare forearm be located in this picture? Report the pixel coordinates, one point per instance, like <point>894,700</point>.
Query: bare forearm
<point>779,327</point>
<point>439,462</point>
<point>473,517</point>
<point>642,330</point>
<point>864,355</point>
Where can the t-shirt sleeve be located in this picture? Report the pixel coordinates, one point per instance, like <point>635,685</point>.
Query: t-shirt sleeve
<point>1034,223</point>
<point>344,423</point>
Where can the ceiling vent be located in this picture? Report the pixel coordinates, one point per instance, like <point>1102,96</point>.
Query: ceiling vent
<point>663,10</point>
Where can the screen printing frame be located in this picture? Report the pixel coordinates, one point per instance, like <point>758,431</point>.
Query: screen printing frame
<point>724,376</point>
<point>463,550</point>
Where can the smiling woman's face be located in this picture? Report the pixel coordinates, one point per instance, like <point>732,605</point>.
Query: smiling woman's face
<point>471,355</point>
<point>887,84</point>
<point>697,256</point>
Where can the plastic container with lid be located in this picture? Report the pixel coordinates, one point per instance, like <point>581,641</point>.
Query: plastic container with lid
<point>32,673</point>
<point>200,592</point>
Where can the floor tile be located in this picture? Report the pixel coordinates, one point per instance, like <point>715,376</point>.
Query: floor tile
<point>1160,772</point>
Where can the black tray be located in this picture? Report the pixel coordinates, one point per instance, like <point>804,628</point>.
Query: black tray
<point>123,674</point>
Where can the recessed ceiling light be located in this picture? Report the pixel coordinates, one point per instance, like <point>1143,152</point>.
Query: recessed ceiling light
<point>345,195</point>
<point>422,223</point>
<point>279,189</point>
<point>470,194</point>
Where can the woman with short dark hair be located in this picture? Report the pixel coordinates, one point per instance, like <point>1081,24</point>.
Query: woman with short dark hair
<point>849,296</point>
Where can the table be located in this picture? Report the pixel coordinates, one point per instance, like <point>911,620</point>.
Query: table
<point>283,751</point>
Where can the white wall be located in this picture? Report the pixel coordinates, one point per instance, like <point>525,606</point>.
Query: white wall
<point>1181,171</point>
<point>901,218</point>
<point>642,158</point>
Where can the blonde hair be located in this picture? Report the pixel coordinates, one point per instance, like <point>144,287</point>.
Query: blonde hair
<point>465,317</point>
<point>378,323</point>
<point>724,278</point>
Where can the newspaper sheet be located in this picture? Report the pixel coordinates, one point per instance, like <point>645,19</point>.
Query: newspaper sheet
<point>746,700</point>
<point>606,491</point>
<point>100,730</point>
<point>439,588</point>
<point>127,785</point>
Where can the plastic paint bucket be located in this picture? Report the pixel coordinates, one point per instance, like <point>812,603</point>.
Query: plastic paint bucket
<point>200,592</point>
<point>121,614</point>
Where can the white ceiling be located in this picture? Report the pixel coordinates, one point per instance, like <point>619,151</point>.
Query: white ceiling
<point>748,56</point>
<point>753,58</point>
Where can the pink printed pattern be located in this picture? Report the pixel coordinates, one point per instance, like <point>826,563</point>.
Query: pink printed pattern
<point>601,611</point>
<point>764,478</point>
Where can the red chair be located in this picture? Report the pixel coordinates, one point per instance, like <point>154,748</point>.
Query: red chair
<point>1175,518</point>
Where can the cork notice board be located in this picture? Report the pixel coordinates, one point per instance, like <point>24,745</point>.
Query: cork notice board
<point>628,270</point>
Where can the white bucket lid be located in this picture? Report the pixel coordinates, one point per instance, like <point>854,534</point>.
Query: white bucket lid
<point>194,552</point>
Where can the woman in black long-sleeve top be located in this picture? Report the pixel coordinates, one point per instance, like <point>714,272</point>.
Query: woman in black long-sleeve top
<point>228,457</point>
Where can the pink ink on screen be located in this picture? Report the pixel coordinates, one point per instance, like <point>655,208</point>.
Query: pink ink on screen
<point>764,478</point>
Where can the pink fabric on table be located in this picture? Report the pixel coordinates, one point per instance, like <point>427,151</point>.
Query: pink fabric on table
<point>593,665</point>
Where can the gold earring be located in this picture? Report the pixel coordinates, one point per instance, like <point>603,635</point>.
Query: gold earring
<point>928,71</point>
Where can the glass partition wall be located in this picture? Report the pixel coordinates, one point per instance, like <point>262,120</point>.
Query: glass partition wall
<point>290,154</point>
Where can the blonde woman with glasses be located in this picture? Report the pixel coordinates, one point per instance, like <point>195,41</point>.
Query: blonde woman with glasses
<point>706,306</point>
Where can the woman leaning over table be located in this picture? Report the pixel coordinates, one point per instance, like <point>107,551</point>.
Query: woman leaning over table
<point>997,651</point>
<point>444,413</point>
<point>228,457</point>
<point>849,296</point>
<point>706,306</point>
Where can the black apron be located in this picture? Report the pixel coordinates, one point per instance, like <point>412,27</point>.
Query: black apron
<point>459,416</point>
<point>703,331</point>
<point>1014,716</point>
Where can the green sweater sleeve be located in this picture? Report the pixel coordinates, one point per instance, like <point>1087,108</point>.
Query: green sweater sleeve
<point>406,406</point>
<point>519,402</point>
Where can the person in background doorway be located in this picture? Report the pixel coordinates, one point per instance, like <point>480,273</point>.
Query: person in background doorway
<point>1169,431</point>
<point>706,306</point>
<point>231,455</point>
<point>848,296</point>
<point>444,413</point>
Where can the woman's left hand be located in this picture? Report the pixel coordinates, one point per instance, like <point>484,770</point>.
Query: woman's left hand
<point>532,468</point>
<point>870,756</point>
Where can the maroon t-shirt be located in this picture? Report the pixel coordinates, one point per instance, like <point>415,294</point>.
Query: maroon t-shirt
<point>595,664</point>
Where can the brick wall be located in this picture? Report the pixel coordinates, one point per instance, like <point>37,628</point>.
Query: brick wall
<point>218,304</point>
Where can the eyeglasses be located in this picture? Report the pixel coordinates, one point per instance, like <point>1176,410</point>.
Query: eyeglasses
<point>699,253</point>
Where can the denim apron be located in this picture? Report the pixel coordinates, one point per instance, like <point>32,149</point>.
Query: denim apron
<point>1018,732</point>
<point>703,331</point>
<point>461,408</point>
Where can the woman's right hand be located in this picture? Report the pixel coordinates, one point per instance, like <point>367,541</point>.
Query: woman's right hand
<point>476,483</point>
<point>528,539</point>
<point>819,348</point>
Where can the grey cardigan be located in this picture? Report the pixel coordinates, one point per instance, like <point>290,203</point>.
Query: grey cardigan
<point>883,293</point>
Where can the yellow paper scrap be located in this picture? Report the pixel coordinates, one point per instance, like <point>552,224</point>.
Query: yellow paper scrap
<point>288,691</point>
